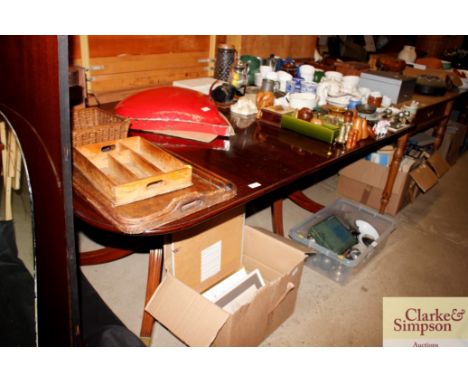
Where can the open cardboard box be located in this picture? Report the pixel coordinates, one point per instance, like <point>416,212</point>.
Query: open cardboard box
<point>199,322</point>
<point>364,181</point>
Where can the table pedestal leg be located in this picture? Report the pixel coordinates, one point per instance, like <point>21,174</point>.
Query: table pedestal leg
<point>301,200</point>
<point>154,278</point>
<point>103,255</point>
<point>277,216</point>
<point>393,171</point>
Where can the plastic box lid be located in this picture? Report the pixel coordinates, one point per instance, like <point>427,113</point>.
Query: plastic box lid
<point>386,77</point>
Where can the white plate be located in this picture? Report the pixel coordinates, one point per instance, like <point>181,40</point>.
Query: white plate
<point>367,229</point>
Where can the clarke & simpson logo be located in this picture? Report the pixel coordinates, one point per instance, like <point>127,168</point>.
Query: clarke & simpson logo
<point>425,321</point>
<point>418,321</point>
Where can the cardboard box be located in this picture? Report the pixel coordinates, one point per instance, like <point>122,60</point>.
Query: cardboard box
<point>424,177</point>
<point>203,256</point>
<point>438,164</point>
<point>364,181</point>
<point>198,322</point>
<point>454,140</point>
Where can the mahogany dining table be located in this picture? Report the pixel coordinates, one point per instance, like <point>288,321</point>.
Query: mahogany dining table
<point>265,161</point>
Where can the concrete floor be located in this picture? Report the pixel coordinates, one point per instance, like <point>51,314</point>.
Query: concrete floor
<point>427,255</point>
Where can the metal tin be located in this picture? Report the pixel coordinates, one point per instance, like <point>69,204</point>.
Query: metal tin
<point>396,86</point>
<point>225,55</point>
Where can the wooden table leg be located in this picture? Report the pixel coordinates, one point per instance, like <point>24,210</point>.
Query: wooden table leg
<point>103,255</point>
<point>393,171</point>
<point>154,278</point>
<point>277,216</point>
<point>303,201</point>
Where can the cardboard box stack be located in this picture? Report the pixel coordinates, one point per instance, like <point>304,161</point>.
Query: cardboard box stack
<point>365,180</point>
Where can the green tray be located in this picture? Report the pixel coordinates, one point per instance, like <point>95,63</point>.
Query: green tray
<point>326,133</point>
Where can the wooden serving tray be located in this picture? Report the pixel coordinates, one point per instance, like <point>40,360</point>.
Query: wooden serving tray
<point>207,189</point>
<point>131,169</point>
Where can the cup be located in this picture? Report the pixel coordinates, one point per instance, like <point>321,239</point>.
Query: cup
<point>332,75</point>
<point>265,69</point>
<point>283,78</point>
<point>318,75</point>
<point>269,85</point>
<point>386,101</point>
<point>307,72</point>
<point>350,81</point>
<point>258,78</point>
<point>300,100</point>
<point>375,99</point>
<point>353,102</point>
<point>272,76</point>
<point>297,84</point>
<point>290,86</point>
<point>308,87</point>
<point>364,92</point>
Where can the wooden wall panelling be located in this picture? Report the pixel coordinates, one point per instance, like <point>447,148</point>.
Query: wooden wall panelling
<point>107,46</point>
<point>212,55</point>
<point>283,46</point>
<point>236,41</point>
<point>120,64</point>
<point>161,60</point>
<point>138,63</point>
<point>142,79</point>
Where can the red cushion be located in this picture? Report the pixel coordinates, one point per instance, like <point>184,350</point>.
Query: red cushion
<point>173,108</point>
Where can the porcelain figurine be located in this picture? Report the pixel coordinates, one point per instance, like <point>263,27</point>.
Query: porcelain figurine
<point>408,54</point>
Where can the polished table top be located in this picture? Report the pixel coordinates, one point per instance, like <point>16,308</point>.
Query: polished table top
<point>263,154</point>
<point>259,154</point>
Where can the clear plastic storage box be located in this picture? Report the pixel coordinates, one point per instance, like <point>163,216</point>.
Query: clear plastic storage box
<point>337,266</point>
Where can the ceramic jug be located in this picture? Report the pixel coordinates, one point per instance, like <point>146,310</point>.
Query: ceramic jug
<point>408,54</point>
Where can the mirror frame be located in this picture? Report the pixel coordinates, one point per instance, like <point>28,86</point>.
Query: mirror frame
<point>34,96</point>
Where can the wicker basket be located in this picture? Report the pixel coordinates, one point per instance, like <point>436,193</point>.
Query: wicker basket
<point>93,125</point>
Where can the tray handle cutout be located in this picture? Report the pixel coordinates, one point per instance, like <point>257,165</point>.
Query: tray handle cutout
<point>107,148</point>
<point>155,183</point>
<point>190,204</point>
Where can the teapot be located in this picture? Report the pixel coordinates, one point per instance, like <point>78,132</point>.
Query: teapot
<point>289,66</point>
<point>273,61</point>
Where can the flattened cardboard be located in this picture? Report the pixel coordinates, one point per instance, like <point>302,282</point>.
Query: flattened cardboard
<point>424,177</point>
<point>364,181</point>
<point>198,322</point>
<point>188,315</point>
<point>438,164</point>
